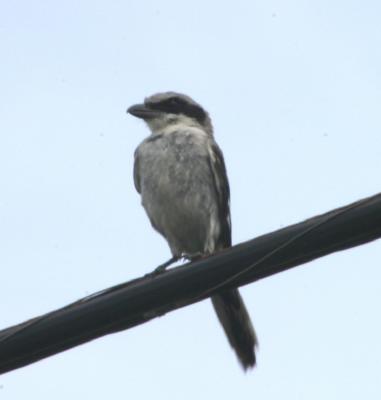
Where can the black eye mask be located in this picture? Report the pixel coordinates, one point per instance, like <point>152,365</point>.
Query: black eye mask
<point>179,106</point>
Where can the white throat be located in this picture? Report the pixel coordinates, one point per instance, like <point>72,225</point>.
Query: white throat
<point>171,123</point>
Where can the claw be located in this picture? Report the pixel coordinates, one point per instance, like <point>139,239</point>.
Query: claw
<point>161,268</point>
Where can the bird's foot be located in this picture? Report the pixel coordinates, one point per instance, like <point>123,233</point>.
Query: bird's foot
<point>194,257</point>
<point>162,267</point>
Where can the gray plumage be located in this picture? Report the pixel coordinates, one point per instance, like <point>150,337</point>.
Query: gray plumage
<point>180,173</point>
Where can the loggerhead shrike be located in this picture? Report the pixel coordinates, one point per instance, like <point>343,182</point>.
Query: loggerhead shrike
<point>180,173</point>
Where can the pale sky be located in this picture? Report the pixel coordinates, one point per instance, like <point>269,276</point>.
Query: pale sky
<point>294,91</point>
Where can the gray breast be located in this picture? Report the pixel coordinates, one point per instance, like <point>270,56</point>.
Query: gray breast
<point>177,190</point>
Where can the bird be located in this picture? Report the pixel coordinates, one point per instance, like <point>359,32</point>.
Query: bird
<point>180,173</point>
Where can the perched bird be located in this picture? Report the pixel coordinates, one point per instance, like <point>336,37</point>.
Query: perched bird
<point>179,171</point>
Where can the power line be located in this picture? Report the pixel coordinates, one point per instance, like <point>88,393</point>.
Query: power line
<point>135,302</point>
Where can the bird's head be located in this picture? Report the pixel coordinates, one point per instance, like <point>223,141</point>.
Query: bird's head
<point>169,111</point>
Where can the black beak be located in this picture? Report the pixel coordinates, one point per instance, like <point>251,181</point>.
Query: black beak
<point>142,111</point>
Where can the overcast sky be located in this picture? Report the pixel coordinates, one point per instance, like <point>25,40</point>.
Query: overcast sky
<point>294,91</point>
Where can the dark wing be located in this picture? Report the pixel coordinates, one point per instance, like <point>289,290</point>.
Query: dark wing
<point>136,171</point>
<point>221,185</point>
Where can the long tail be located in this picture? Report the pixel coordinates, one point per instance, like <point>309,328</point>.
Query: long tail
<point>235,319</point>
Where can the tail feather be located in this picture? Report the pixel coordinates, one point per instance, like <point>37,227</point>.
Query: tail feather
<point>235,319</point>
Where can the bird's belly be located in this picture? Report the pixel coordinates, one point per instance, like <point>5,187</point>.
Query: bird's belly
<point>179,200</point>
